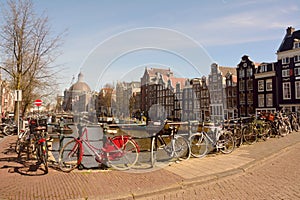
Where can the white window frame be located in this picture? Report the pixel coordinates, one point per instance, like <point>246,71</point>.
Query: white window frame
<point>250,84</point>
<point>242,85</point>
<point>269,84</point>
<point>286,60</point>
<point>242,73</point>
<point>261,100</point>
<point>297,58</point>
<point>286,73</point>
<point>297,89</point>
<point>286,90</point>
<point>261,85</point>
<point>263,68</point>
<point>269,100</point>
<point>297,71</point>
<point>296,45</point>
<point>249,72</point>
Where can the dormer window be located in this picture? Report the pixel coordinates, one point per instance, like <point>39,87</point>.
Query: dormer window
<point>263,68</point>
<point>285,60</point>
<point>296,45</point>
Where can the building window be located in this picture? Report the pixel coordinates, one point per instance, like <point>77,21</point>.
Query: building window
<point>286,90</point>
<point>229,83</point>
<point>214,78</point>
<point>250,84</point>
<point>263,68</point>
<point>296,45</point>
<point>285,73</point>
<point>234,92</point>
<point>261,85</point>
<point>261,100</point>
<point>297,58</point>
<point>250,98</point>
<point>269,99</point>
<point>269,84</point>
<point>297,89</point>
<point>286,60</point>
<point>297,71</point>
<point>242,85</point>
<point>249,72</point>
<point>242,98</point>
<point>242,73</point>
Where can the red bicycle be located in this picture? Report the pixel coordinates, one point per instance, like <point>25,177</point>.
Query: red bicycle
<point>119,152</point>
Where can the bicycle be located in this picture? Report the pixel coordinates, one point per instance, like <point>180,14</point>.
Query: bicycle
<point>119,152</point>
<point>41,147</point>
<point>221,140</point>
<point>167,144</point>
<point>258,128</point>
<point>24,142</point>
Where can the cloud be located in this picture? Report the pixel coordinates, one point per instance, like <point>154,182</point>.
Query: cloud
<point>246,24</point>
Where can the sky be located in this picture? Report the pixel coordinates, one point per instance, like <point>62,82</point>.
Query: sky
<point>114,40</point>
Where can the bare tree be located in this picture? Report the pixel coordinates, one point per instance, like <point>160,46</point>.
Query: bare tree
<point>28,48</point>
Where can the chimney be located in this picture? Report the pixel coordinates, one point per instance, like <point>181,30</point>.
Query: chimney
<point>289,31</point>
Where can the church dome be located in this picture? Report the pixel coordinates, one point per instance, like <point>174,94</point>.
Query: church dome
<point>80,85</point>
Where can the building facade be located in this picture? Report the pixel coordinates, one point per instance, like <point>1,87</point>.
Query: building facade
<point>127,99</point>
<point>217,91</point>
<point>77,97</point>
<point>231,94</point>
<point>245,87</point>
<point>288,71</point>
<point>159,90</point>
<point>265,88</point>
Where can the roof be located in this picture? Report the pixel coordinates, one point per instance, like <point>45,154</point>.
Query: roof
<point>155,71</point>
<point>80,85</point>
<point>181,81</point>
<point>288,40</point>
<point>225,70</point>
<point>166,75</point>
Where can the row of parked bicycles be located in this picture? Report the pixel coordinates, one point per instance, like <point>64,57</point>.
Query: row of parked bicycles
<point>171,141</point>
<point>33,141</point>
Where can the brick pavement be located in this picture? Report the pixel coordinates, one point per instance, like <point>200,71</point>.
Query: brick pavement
<point>276,178</point>
<point>22,180</point>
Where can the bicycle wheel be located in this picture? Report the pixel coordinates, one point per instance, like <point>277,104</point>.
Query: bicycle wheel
<point>182,148</point>
<point>250,135</point>
<point>125,157</point>
<point>198,145</point>
<point>153,151</point>
<point>7,130</point>
<point>42,156</point>
<point>70,156</point>
<point>227,141</point>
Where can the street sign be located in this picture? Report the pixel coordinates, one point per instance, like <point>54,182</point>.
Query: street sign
<point>18,95</point>
<point>38,102</point>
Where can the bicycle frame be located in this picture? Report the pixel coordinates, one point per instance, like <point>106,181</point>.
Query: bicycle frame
<point>217,130</point>
<point>109,146</point>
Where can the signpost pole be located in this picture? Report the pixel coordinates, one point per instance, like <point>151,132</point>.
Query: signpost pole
<point>18,98</point>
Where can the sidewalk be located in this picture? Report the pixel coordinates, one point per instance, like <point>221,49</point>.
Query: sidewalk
<point>23,181</point>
